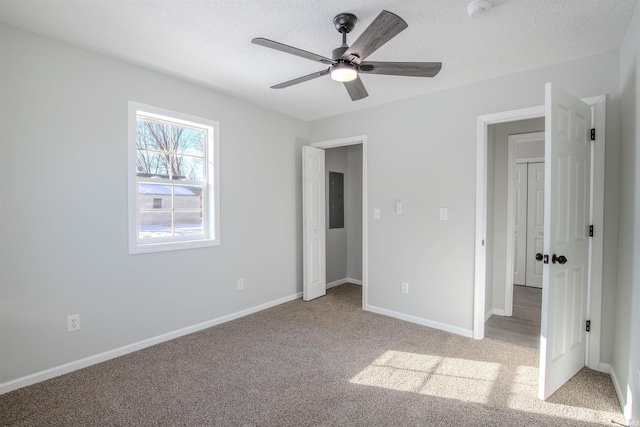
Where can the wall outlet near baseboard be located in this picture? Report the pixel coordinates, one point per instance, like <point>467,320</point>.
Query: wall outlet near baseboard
<point>240,284</point>
<point>73,323</point>
<point>405,287</point>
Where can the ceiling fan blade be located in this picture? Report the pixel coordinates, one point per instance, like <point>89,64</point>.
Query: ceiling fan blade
<point>356,89</point>
<point>385,27</point>
<point>292,50</point>
<point>301,79</point>
<point>412,69</point>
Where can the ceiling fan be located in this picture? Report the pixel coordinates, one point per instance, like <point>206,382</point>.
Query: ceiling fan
<point>347,62</point>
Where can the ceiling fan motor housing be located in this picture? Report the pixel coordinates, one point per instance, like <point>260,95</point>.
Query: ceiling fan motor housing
<point>345,22</point>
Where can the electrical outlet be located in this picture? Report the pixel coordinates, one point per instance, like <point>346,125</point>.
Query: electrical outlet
<point>73,323</point>
<point>240,284</point>
<point>405,287</point>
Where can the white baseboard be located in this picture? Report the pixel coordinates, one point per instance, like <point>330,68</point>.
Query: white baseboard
<point>626,408</point>
<point>496,311</point>
<point>130,348</point>
<point>605,368</point>
<point>343,281</point>
<point>336,283</point>
<point>420,321</point>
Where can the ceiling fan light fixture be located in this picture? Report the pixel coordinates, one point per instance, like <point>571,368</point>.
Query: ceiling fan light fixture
<point>343,72</point>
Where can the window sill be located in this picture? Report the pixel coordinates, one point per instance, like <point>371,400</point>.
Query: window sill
<point>146,248</point>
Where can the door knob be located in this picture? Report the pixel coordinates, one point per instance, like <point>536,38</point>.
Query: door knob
<point>559,259</point>
<point>539,256</point>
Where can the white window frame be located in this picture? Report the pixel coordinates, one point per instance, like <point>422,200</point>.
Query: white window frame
<point>211,188</point>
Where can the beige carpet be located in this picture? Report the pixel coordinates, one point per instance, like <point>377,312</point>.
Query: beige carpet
<point>318,363</point>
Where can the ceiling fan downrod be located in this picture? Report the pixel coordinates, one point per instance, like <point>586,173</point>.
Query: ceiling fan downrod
<point>344,23</point>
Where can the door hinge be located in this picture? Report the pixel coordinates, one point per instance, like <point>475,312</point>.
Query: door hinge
<point>588,328</point>
<point>591,231</point>
<point>593,134</point>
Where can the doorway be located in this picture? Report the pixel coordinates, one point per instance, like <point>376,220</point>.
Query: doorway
<point>515,153</point>
<point>525,197</point>
<point>343,181</point>
<point>482,266</point>
<point>508,143</point>
<point>358,234</point>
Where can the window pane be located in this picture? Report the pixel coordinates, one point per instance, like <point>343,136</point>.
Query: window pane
<point>153,135</point>
<point>188,223</point>
<point>191,168</point>
<point>154,224</point>
<point>189,141</point>
<point>152,163</point>
<point>187,197</point>
<point>152,195</point>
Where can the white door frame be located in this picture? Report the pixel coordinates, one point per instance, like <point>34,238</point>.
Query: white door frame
<point>343,142</point>
<point>594,298</point>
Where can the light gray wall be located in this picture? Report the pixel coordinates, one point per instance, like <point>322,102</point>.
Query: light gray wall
<point>626,360</point>
<point>335,160</point>
<point>423,151</point>
<point>497,257</point>
<point>63,173</point>
<point>353,214</point>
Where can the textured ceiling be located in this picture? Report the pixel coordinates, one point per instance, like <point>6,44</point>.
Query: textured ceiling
<point>209,41</point>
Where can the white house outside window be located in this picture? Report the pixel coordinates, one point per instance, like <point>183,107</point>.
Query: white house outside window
<point>173,177</point>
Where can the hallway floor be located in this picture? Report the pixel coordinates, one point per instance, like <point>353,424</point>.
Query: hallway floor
<point>523,327</point>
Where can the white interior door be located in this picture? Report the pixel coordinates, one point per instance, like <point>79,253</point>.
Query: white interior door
<point>520,224</point>
<point>535,222</point>
<point>313,229</point>
<point>566,220</point>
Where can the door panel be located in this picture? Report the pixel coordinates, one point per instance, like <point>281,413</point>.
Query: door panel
<point>566,220</point>
<point>313,214</point>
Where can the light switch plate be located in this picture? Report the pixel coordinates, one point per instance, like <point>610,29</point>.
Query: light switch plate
<point>443,214</point>
<point>398,208</point>
<point>405,287</point>
<point>376,214</point>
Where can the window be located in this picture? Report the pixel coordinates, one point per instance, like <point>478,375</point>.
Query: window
<point>173,180</point>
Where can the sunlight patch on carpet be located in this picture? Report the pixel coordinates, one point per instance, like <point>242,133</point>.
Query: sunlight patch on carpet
<point>448,377</point>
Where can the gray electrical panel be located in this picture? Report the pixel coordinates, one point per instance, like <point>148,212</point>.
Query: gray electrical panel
<point>336,200</point>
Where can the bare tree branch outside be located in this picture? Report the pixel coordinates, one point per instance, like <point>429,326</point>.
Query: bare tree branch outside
<point>169,152</point>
